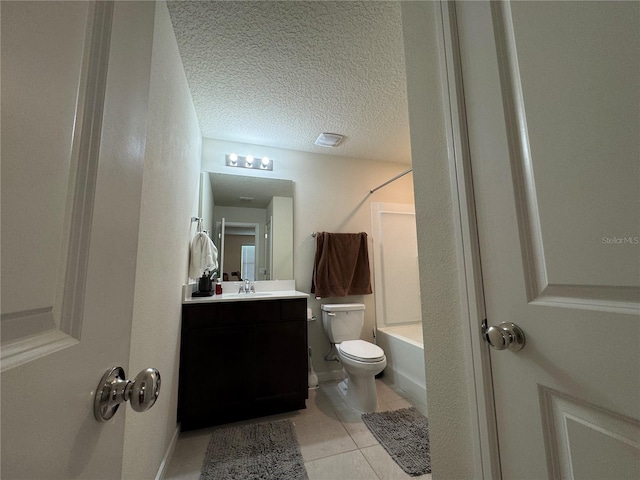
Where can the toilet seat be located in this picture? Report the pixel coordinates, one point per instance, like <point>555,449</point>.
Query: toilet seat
<point>361,351</point>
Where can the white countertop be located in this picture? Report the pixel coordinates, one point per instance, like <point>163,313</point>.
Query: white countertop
<point>266,290</point>
<point>243,297</point>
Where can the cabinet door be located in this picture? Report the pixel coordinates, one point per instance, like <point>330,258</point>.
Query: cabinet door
<point>214,378</point>
<point>280,374</point>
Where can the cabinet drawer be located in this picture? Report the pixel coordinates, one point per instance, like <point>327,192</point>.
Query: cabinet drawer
<point>243,313</point>
<point>207,316</point>
<point>257,312</point>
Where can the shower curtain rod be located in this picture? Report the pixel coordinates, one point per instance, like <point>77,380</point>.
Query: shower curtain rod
<point>392,180</point>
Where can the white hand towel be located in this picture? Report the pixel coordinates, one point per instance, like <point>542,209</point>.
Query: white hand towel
<point>204,255</point>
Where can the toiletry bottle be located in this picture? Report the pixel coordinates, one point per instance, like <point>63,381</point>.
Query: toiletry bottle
<point>218,288</point>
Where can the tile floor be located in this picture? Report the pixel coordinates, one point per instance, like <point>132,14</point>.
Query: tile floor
<point>334,442</point>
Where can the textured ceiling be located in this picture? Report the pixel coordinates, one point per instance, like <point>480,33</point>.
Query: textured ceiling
<point>280,73</point>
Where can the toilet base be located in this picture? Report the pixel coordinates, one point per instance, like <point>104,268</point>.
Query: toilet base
<point>359,392</point>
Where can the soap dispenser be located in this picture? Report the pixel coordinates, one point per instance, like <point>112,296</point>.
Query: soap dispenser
<point>219,287</point>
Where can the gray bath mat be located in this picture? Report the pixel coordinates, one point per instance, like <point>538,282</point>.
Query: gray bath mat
<point>404,434</point>
<point>264,451</point>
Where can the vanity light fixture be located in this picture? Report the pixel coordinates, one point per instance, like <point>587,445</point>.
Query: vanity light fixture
<point>233,160</point>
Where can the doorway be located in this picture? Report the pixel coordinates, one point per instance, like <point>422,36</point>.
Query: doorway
<point>239,250</point>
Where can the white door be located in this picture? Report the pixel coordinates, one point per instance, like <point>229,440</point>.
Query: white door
<point>552,94</point>
<point>75,79</point>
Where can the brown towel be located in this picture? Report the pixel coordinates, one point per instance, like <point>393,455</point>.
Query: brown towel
<point>341,265</point>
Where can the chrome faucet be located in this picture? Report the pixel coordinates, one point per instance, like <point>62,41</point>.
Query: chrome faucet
<point>247,287</point>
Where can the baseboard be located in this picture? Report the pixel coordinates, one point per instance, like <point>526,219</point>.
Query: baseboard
<point>168,454</point>
<point>330,376</point>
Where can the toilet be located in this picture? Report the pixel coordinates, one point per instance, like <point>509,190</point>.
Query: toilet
<point>361,360</point>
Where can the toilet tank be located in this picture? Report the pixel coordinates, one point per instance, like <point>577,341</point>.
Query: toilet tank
<point>342,321</point>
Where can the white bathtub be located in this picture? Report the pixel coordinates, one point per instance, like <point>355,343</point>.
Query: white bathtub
<point>404,348</point>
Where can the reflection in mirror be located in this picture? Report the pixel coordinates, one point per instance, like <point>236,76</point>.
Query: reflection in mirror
<point>238,242</point>
<point>253,226</point>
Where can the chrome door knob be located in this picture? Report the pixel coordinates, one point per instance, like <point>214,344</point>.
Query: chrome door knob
<point>114,389</point>
<point>144,390</point>
<point>506,335</point>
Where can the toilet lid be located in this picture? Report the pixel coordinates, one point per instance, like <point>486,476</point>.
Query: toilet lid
<point>361,350</point>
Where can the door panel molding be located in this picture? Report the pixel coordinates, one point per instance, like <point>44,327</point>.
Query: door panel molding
<point>562,414</point>
<point>27,322</point>
<point>86,149</point>
<point>33,333</point>
<point>617,299</point>
<point>519,152</point>
<point>586,297</point>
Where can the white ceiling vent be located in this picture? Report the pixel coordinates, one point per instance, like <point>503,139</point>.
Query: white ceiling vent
<point>329,140</point>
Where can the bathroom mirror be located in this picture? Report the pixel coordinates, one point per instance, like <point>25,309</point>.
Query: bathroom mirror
<point>252,226</point>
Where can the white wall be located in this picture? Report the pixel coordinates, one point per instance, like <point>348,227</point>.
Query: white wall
<point>331,193</point>
<point>206,204</point>
<point>282,213</point>
<point>445,356</point>
<point>169,199</point>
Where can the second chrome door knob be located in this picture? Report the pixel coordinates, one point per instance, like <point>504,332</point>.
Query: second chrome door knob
<point>506,335</point>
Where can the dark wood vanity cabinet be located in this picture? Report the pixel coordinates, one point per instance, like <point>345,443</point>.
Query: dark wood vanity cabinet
<point>241,360</point>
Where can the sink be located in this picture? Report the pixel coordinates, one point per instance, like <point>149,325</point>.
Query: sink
<point>248,296</point>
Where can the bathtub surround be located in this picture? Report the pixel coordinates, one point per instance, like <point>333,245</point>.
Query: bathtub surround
<point>395,255</point>
<point>398,312</point>
<point>404,434</point>
<point>268,451</point>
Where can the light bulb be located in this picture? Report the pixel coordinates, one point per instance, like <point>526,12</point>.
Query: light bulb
<point>265,161</point>
<point>233,158</point>
<point>249,160</point>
